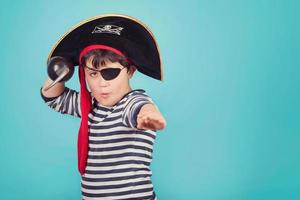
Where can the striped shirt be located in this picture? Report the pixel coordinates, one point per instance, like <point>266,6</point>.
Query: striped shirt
<point>119,154</point>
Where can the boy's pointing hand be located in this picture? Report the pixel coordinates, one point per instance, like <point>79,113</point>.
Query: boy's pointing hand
<point>150,118</point>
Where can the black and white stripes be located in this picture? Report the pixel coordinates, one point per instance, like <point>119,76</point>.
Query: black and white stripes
<point>119,154</point>
<point>67,103</point>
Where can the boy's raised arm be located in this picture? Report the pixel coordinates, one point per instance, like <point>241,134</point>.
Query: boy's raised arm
<point>54,91</point>
<point>62,99</point>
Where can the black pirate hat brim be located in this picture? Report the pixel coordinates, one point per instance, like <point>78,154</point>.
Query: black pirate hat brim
<point>121,32</point>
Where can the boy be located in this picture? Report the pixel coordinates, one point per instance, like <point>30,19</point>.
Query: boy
<point>118,124</point>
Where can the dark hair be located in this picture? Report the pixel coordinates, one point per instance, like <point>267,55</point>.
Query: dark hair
<point>99,56</point>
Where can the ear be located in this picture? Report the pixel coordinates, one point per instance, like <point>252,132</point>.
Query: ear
<point>131,70</point>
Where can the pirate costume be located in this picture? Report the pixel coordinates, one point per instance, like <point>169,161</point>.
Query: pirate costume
<point>113,155</point>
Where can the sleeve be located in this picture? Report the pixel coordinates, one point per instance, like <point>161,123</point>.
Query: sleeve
<point>133,107</point>
<point>68,102</point>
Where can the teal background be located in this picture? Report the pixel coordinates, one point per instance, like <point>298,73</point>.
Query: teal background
<point>230,96</point>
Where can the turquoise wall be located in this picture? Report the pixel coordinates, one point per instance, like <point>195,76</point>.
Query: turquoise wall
<point>230,96</point>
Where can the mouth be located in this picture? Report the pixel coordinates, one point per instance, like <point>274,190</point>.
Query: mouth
<point>104,95</point>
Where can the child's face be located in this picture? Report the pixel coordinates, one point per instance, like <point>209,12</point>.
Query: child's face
<point>108,92</point>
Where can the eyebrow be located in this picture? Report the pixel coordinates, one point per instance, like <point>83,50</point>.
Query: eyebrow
<point>92,69</point>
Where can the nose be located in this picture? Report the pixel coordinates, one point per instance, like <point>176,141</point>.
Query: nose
<point>102,82</point>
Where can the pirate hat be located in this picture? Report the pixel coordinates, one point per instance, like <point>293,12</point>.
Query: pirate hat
<point>123,33</point>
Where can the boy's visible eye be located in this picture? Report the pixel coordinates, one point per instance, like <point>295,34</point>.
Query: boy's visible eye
<point>93,74</point>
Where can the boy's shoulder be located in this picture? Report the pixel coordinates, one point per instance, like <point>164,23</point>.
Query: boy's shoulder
<point>135,94</point>
<point>135,98</point>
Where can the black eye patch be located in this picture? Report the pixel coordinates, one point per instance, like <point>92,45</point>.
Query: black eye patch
<point>108,73</point>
